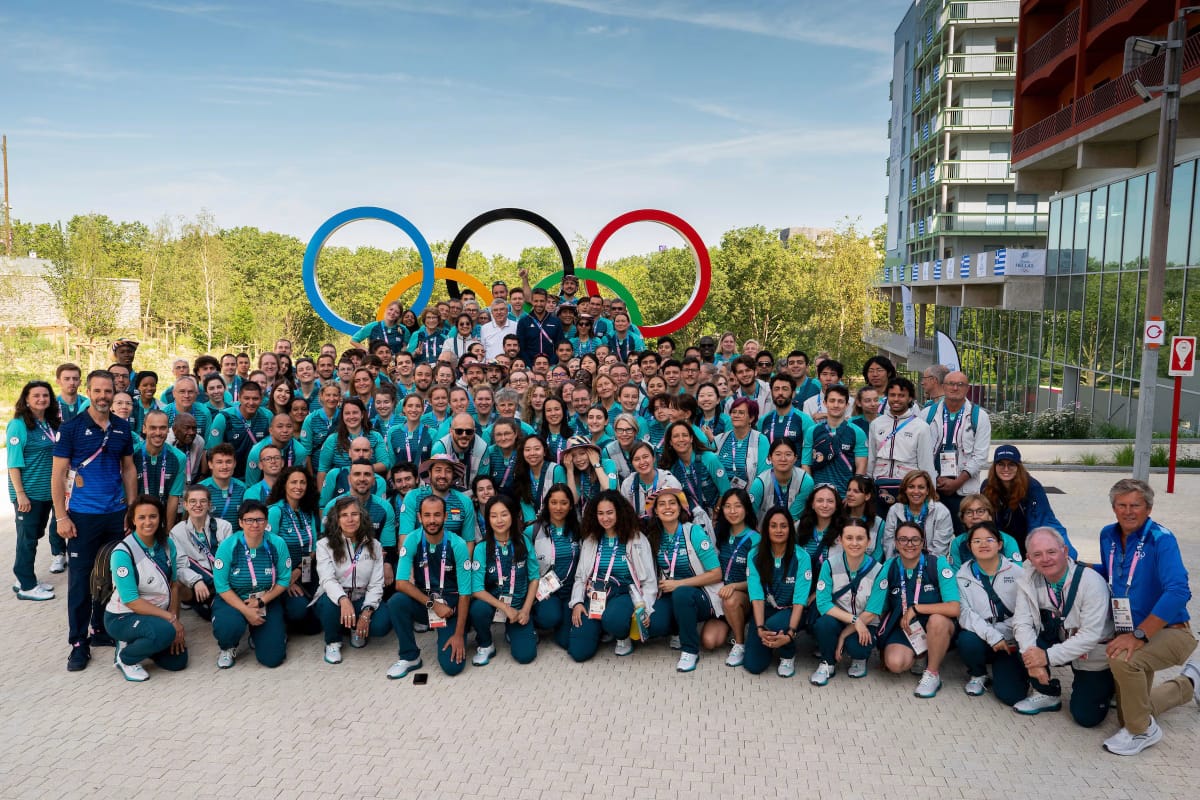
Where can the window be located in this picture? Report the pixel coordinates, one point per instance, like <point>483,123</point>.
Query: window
<point>1005,44</point>
<point>1000,150</point>
<point>1002,97</point>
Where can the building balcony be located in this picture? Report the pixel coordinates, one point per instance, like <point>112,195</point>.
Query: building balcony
<point>982,12</point>
<point>988,65</point>
<point>1054,46</point>
<point>977,119</point>
<point>978,171</point>
<point>1103,13</point>
<point>971,223</point>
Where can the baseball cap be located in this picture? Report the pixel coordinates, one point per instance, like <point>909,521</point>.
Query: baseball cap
<point>1006,452</point>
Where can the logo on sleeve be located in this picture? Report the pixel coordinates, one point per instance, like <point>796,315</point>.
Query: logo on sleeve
<point>122,572</point>
<point>219,564</point>
<point>883,584</point>
<point>214,432</point>
<point>15,440</point>
<point>947,573</point>
<point>820,586</point>
<point>289,562</point>
<point>704,545</point>
<point>403,552</point>
<point>808,574</point>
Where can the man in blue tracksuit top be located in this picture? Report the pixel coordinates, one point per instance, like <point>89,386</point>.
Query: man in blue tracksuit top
<point>1140,559</point>
<point>94,477</point>
<point>539,332</point>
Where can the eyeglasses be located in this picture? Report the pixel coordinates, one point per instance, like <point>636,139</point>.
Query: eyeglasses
<point>196,501</point>
<point>955,383</point>
<point>463,431</point>
<point>270,458</point>
<point>909,540</point>
<point>254,521</point>
<point>626,429</point>
<point>974,512</point>
<point>988,540</point>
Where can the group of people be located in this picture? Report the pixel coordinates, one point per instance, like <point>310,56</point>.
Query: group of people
<point>539,468</point>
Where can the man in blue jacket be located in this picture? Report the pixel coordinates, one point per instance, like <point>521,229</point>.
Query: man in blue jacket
<point>1140,559</point>
<point>539,332</point>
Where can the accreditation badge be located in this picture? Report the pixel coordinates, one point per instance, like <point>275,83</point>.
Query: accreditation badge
<point>434,620</point>
<point>916,637</point>
<point>548,585</point>
<point>948,463</point>
<point>500,616</point>
<point>1122,614</point>
<point>306,569</point>
<point>597,600</point>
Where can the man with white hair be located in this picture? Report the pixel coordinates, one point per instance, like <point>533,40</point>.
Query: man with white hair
<point>492,334</point>
<point>1061,619</point>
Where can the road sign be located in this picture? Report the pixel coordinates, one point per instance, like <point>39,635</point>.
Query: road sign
<point>1183,357</point>
<point>1154,333</point>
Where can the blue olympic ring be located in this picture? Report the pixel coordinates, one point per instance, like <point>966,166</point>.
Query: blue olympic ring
<point>317,243</point>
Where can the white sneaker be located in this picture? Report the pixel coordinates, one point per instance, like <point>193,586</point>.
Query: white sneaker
<point>687,662</point>
<point>58,564</point>
<point>135,673</point>
<point>402,668</point>
<point>483,655</point>
<point>1036,703</point>
<point>975,686</point>
<point>1133,743</point>
<point>420,627</point>
<point>37,593</point>
<point>1192,670</point>
<point>918,666</point>
<point>858,668</point>
<point>822,674</point>
<point>787,667</point>
<point>624,647</point>
<point>675,643</point>
<point>929,685</point>
<point>737,654</point>
<point>225,659</point>
<point>333,653</point>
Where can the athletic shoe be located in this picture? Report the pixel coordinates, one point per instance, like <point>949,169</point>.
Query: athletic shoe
<point>102,639</point>
<point>929,685</point>
<point>78,659</point>
<point>225,658</point>
<point>858,668</point>
<point>918,666</point>
<point>687,662</point>
<point>37,593</point>
<point>737,654</point>
<point>1192,670</point>
<point>624,647</point>
<point>420,627</point>
<point>975,686</point>
<point>787,667</point>
<point>58,563</point>
<point>1133,743</point>
<point>675,643</point>
<point>333,653</point>
<point>1037,702</point>
<point>135,673</point>
<point>483,655</point>
<point>822,674</point>
<point>401,668</point>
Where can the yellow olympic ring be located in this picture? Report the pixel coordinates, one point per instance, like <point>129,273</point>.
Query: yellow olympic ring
<point>482,293</point>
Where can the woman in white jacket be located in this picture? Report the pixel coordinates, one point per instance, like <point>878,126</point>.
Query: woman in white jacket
<point>349,579</point>
<point>987,588</point>
<point>614,580</point>
<point>918,502</point>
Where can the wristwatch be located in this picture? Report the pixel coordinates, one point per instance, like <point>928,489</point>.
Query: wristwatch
<point>853,618</point>
<point>1140,635</point>
<point>429,603</point>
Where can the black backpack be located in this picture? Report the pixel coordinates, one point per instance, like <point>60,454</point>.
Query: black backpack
<point>101,583</point>
<point>828,445</point>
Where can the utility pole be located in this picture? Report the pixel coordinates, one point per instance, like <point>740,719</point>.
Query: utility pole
<point>7,218</point>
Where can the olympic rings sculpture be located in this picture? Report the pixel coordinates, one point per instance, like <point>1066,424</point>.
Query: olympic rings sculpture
<point>453,276</point>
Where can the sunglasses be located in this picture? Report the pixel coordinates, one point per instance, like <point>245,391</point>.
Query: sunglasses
<point>463,431</point>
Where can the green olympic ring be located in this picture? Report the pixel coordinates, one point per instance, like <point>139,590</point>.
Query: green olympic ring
<point>635,313</point>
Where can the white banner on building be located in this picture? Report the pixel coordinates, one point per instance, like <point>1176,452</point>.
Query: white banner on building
<point>910,320</point>
<point>1026,262</point>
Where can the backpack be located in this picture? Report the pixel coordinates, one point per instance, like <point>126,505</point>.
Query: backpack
<point>828,445</point>
<point>100,586</point>
<point>974,415</point>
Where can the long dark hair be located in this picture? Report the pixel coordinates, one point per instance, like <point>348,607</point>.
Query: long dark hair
<point>564,425</point>
<point>343,433</point>
<point>516,536</point>
<point>162,534</point>
<point>53,416</point>
<point>308,503</point>
<point>522,485</point>
<point>806,526</point>
<point>721,525</point>
<point>764,559</point>
<point>669,457</point>
<point>336,537</point>
<point>571,523</point>
<point>654,528</point>
<point>1002,496</point>
<point>627,520</point>
<point>866,485</point>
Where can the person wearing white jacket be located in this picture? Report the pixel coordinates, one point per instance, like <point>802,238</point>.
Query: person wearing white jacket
<point>1062,618</point>
<point>961,435</point>
<point>615,578</point>
<point>987,592</point>
<point>196,539</point>
<point>918,502</point>
<point>897,441</point>
<point>349,579</point>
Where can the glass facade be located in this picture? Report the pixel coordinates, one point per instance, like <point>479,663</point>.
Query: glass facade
<point>1084,349</point>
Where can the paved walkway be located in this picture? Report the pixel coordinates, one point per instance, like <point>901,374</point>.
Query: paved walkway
<point>627,727</point>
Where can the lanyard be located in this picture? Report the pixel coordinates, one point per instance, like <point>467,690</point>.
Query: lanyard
<point>442,577</point>
<point>988,580</point>
<point>622,348</point>
<point>99,449</point>
<point>952,431</point>
<point>679,534</point>
<point>1133,565</point>
<point>780,495</point>
<point>916,589</point>
<point>895,430</point>
<point>557,532</point>
<point>779,580</point>
<point>536,485</point>
<point>919,519</point>
<point>639,488</point>
<point>1056,599</point>
<point>297,519</point>
<point>863,567</point>
<point>509,463</point>
<point>611,561</point>
<point>246,423</point>
<point>150,557</point>
<point>512,575</point>
<point>689,477</point>
<point>162,473</point>
<point>737,545</point>
<point>353,571</point>
<point>228,497</point>
<point>250,561</point>
<point>47,431</point>
<point>542,330</point>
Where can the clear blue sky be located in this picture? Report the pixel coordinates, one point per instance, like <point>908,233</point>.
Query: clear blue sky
<point>279,114</point>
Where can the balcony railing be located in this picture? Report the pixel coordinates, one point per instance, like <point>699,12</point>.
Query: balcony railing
<point>981,64</point>
<point>1053,43</point>
<point>977,117</point>
<point>984,10</point>
<point>984,222</point>
<point>1118,90</point>
<point>1103,9</point>
<point>1054,125</point>
<point>980,171</point>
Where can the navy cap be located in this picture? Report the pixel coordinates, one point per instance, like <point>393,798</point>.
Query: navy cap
<point>1006,452</point>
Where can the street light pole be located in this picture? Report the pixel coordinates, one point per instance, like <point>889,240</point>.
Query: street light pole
<point>1168,123</point>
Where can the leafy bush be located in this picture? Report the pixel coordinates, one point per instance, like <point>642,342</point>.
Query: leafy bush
<point>1012,425</point>
<point>1068,423</point>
